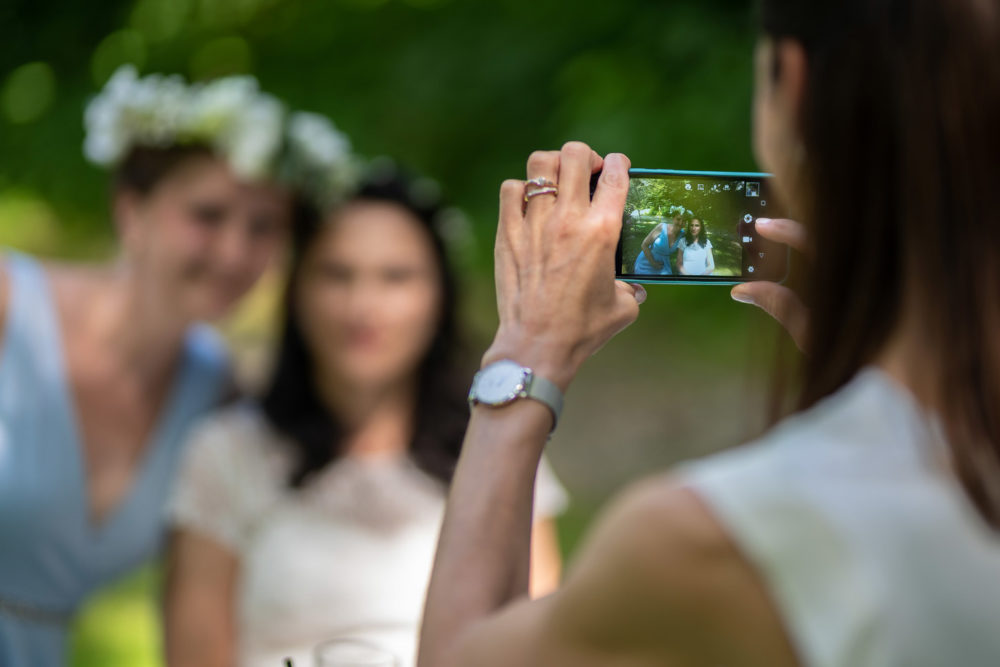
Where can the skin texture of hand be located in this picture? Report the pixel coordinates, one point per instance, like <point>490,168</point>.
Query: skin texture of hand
<point>776,300</point>
<point>557,295</point>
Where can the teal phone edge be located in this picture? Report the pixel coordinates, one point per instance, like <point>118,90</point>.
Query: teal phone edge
<point>677,279</point>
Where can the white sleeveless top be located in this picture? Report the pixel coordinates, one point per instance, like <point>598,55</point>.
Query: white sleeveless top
<point>868,545</point>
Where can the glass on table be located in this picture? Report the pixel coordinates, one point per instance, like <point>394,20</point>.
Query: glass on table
<point>353,653</point>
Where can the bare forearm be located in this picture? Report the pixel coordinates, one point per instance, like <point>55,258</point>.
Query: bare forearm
<point>649,257</point>
<point>484,551</point>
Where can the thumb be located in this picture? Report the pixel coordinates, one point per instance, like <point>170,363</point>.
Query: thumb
<point>628,298</point>
<point>781,303</point>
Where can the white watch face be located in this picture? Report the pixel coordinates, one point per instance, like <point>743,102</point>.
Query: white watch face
<point>500,383</point>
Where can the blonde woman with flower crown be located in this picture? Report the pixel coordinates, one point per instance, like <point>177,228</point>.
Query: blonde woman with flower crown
<point>104,367</point>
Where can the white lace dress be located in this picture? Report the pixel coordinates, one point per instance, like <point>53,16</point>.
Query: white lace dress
<point>347,556</point>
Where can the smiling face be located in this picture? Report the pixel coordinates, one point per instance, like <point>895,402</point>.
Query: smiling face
<point>369,296</point>
<point>200,238</point>
<point>696,229</point>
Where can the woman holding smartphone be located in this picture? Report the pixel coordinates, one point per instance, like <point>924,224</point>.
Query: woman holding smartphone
<point>313,513</point>
<point>862,531</point>
<point>694,251</point>
<point>104,367</point>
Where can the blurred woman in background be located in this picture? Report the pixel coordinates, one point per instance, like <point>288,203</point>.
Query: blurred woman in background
<point>104,367</point>
<point>314,513</point>
<point>694,251</point>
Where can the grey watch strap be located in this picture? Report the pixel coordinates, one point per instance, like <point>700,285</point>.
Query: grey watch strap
<point>548,393</point>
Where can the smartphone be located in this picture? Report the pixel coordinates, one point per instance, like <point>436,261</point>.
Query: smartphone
<point>698,227</point>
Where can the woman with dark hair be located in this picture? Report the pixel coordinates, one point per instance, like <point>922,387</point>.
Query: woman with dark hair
<point>104,367</point>
<point>865,529</point>
<point>314,512</point>
<point>694,251</point>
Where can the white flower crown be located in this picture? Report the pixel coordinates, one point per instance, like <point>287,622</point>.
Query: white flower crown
<point>318,159</point>
<point>247,127</point>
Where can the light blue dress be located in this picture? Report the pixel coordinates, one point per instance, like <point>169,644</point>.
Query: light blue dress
<point>661,249</point>
<point>52,556</point>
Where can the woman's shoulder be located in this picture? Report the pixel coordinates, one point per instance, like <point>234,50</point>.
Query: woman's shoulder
<point>869,425</point>
<point>237,433</point>
<point>232,472</point>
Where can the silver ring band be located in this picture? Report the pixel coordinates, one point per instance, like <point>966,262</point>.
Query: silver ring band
<point>539,186</point>
<point>540,191</point>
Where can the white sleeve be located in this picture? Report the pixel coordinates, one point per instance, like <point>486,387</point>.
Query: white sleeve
<point>207,496</point>
<point>551,498</point>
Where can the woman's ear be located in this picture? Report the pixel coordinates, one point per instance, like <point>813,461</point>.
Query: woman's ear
<point>789,76</point>
<point>781,69</point>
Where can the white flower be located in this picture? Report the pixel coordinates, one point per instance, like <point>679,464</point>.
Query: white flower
<point>230,115</point>
<point>107,138</point>
<point>256,139</point>
<point>319,161</point>
<point>318,139</point>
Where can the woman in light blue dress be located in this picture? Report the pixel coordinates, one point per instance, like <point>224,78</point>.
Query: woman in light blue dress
<point>658,247</point>
<point>103,368</point>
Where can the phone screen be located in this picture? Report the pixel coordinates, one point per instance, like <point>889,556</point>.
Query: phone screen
<point>698,227</point>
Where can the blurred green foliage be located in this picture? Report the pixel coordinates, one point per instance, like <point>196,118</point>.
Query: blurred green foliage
<point>460,89</point>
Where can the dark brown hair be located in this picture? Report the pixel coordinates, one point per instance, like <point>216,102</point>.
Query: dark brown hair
<point>146,166</point>
<point>899,127</point>
<point>292,402</point>
<point>702,233</point>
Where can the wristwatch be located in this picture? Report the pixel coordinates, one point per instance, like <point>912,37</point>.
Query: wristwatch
<point>505,381</point>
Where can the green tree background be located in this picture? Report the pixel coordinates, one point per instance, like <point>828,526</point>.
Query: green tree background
<point>462,90</point>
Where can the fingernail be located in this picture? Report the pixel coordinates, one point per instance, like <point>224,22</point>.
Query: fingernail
<point>742,297</point>
<point>621,157</point>
<point>640,294</point>
<point>763,221</point>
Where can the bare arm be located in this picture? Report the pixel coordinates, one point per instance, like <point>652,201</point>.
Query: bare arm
<point>546,560</point>
<point>200,622</point>
<point>656,583</point>
<point>709,263</point>
<point>647,244</point>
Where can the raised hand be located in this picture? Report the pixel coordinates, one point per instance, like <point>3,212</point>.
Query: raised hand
<point>776,300</point>
<point>557,295</point>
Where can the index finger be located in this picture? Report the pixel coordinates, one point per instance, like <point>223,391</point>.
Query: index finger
<point>612,186</point>
<point>783,230</point>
